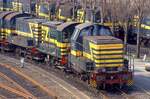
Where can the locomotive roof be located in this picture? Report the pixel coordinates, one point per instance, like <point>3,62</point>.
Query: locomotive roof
<point>52,23</point>
<point>103,39</point>
<point>2,14</point>
<point>24,18</point>
<point>10,16</point>
<point>36,20</point>
<point>84,25</point>
<point>65,25</point>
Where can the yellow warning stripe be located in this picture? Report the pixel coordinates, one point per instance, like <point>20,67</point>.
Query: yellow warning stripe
<point>87,55</point>
<point>109,61</point>
<point>25,34</point>
<point>108,56</point>
<point>109,65</point>
<point>62,49</point>
<point>43,15</point>
<point>145,26</point>
<point>106,46</point>
<point>108,52</point>
<point>76,53</point>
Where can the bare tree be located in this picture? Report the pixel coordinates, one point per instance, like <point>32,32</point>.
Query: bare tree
<point>112,11</point>
<point>142,10</point>
<point>103,7</point>
<point>124,15</point>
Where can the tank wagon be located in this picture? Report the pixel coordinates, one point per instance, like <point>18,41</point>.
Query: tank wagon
<point>87,49</point>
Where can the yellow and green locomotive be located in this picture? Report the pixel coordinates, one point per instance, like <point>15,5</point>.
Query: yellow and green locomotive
<point>101,62</point>
<point>56,42</point>
<point>87,49</point>
<point>6,5</point>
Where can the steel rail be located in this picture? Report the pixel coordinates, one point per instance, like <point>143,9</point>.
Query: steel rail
<point>44,88</point>
<point>146,92</point>
<point>17,85</point>
<point>104,96</point>
<point>3,97</point>
<point>6,87</point>
<point>124,94</point>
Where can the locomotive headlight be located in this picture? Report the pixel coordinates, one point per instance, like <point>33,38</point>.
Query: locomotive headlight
<point>120,68</point>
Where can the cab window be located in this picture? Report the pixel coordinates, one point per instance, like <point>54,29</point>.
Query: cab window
<point>52,34</point>
<point>104,31</point>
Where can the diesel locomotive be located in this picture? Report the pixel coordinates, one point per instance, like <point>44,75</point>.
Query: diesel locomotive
<point>144,31</point>
<point>86,49</point>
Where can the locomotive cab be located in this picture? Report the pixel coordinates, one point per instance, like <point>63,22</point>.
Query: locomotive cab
<point>86,29</point>
<point>65,13</point>
<point>85,15</point>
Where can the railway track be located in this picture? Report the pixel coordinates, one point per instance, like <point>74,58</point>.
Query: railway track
<point>22,91</point>
<point>100,94</point>
<point>9,89</point>
<point>67,88</point>
<point>7,94</point>
<point>68,78</point>
<point>27,85</point>
<point>115,93</point>
<point>123,94</point>
<point>24,86</point>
